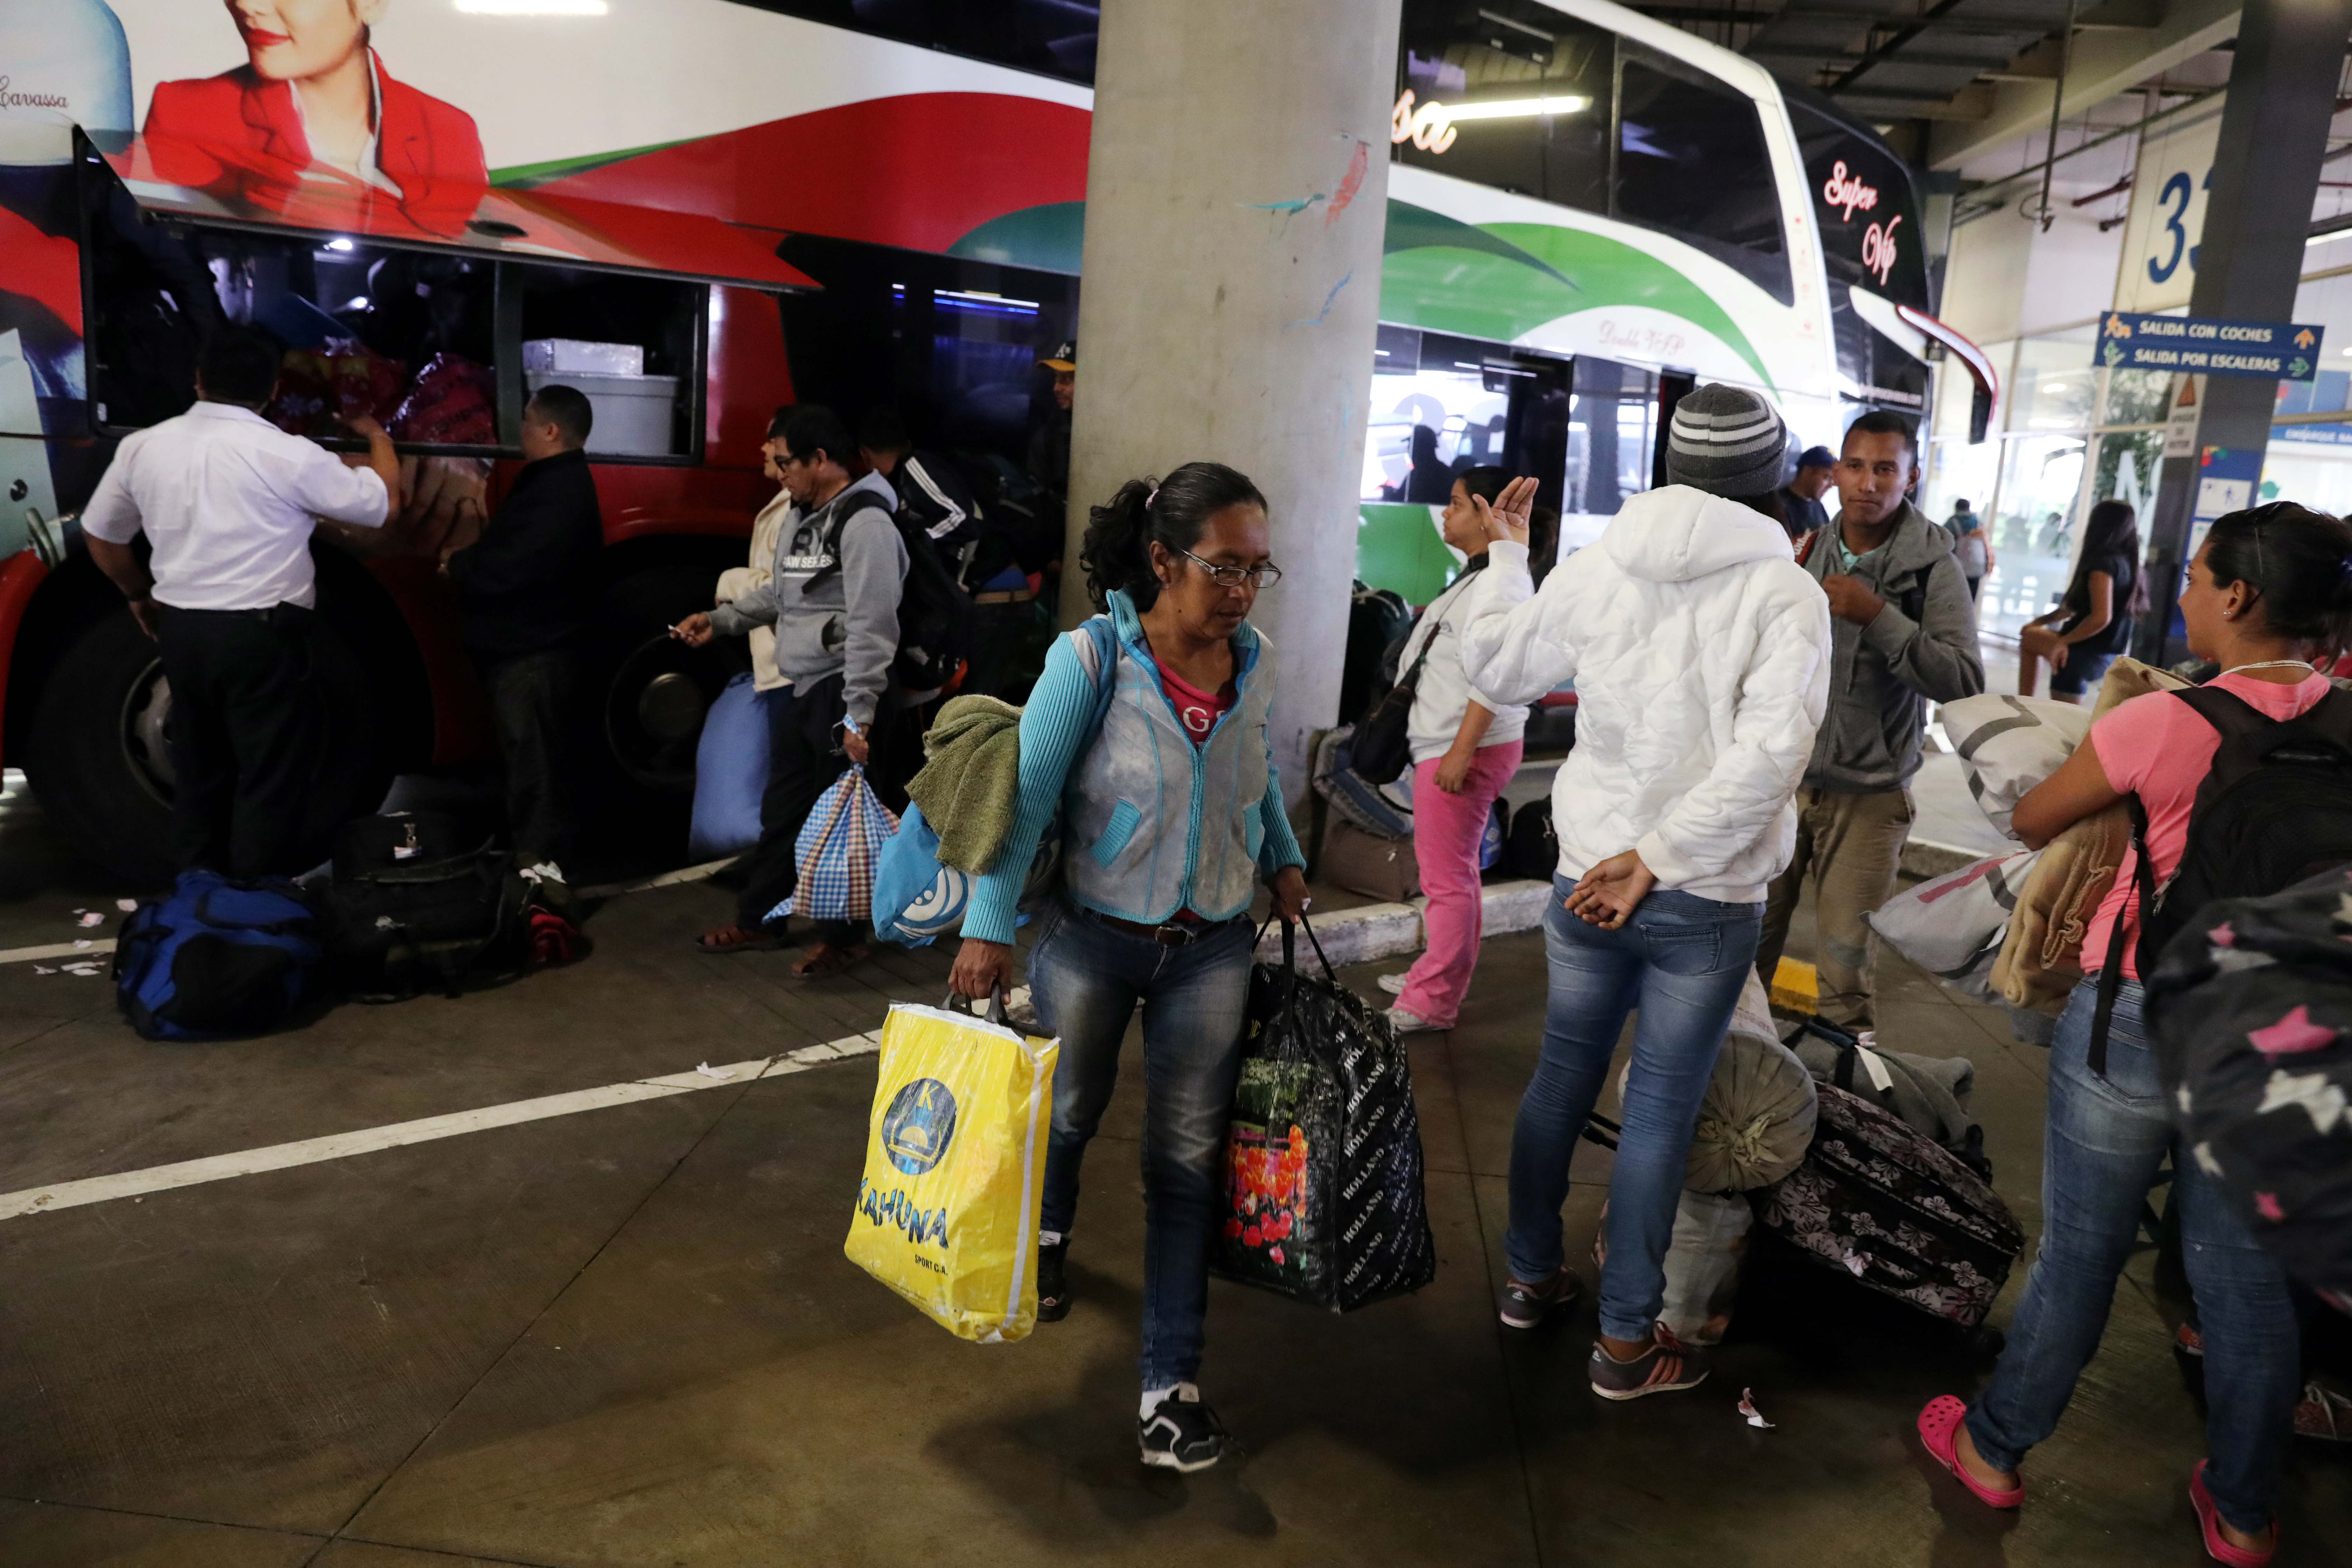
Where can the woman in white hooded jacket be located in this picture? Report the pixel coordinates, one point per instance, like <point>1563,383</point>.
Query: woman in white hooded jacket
<point>1700,653</point>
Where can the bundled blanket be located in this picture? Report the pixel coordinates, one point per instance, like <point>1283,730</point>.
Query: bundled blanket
<point>2042,958</point>
<point>969,784</point>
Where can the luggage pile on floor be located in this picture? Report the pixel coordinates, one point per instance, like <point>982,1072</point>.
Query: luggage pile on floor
<point>411,902</point>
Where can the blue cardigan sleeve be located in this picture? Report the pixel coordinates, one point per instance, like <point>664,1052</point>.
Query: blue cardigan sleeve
<point>1279,846</point>
<point>1053,729</point>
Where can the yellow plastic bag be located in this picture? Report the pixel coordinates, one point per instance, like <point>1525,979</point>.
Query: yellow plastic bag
<point>955,1170</point>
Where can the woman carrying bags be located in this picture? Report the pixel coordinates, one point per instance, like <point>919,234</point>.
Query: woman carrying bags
<point>1700,652</point>
<point>1170,813</point>
<point>1466,747</point>
<point>2269,592</point>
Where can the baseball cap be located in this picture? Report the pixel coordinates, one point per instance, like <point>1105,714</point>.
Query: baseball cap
<point>1816,458</point>
<point>1064,358</point>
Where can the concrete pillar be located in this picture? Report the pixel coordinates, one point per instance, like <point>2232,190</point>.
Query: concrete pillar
<point>2266,164</point>
<point>1236,196</point>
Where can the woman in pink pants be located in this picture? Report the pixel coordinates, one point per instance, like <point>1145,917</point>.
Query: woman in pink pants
<point>1465,750</point>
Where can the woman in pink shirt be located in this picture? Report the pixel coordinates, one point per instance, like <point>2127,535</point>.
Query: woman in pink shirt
<point>2270,593</point>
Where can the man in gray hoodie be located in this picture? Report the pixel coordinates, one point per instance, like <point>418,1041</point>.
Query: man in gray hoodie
<point>1903,632</point>
<point>834,601</point>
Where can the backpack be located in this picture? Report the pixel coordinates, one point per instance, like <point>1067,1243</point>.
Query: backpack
<point>2274,807</point>
<point>1533,848</point>
<point>415,901</point>
<point>916,898</point>
<point>1377,618</point>
<point>934,612</point>
<point>216,957</point>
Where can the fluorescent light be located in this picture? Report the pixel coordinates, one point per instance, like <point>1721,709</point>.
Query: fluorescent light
<point>532,8</point>
<point>2318,240</point>
<point>1514,108</point>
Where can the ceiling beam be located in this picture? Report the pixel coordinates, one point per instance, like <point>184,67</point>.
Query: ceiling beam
<point>2105,63</point>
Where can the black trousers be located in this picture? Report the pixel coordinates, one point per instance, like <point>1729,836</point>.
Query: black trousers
<point>243,734</point>
<point>805,757</point>
<point>539,706</point>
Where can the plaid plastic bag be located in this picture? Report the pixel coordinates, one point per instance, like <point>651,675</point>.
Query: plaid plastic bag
<point>839,846</point>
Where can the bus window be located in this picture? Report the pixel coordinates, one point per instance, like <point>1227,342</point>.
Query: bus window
<point>1531,87</point>
<point>1691,160</point>
<point>1613,426</point>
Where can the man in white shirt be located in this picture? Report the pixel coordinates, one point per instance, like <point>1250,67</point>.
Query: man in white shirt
<point>227,501</point>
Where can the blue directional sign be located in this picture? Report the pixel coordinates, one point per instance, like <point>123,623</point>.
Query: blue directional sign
<point>2281,351</point>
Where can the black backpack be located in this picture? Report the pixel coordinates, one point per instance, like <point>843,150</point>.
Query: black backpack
<point>1533,848</point>
<point>2274,807</point>
<point>416,902</point>
<point>934,612</point>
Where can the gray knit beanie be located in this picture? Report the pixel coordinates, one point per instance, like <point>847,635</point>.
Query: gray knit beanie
<point>1727,441</point>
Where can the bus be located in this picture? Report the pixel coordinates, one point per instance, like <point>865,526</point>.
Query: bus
<point>701,209</point>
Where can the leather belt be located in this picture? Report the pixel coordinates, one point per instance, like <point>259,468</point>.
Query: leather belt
<point>1167,934</point>
<point>1004,596</point>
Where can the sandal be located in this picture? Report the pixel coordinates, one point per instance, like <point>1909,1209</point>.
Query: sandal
<point>733,938</point>
<point>2210,1520</point>
<point>826,959</point>
<point>1939,1430</point>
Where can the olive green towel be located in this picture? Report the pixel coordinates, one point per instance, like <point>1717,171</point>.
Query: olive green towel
<point>970,786</point>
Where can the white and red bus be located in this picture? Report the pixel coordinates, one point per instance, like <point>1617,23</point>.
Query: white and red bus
<point>743,203</point>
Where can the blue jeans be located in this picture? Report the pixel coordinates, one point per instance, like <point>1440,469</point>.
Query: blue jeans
<point>2104,1138</point>
<point>1681,959</point>
<point>1085,980</point>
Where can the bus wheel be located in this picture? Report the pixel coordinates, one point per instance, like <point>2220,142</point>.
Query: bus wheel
<point>102,773</point>
<point>657,689</point>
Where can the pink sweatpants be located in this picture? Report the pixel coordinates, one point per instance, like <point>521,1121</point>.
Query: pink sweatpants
<point>1447,829</point>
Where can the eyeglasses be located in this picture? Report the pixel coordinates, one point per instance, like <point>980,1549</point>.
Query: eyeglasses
<point>1236,576</point>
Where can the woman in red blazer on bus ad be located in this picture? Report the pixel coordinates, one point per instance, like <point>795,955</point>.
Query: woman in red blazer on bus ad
<point>313,120</point>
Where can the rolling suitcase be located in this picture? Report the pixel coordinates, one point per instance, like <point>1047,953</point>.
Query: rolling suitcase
<point>1888,1204</point>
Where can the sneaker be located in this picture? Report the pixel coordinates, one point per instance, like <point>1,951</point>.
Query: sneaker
<point>1405,1023</point>
<point>1181,1434</point>
<point>1392,984</point>
<point>1053,1289</point>
<point>1525,1305</point>
<point>1667,1365</point>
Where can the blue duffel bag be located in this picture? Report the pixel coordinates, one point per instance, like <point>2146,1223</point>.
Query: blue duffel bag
<point>730,771</point>
<point>216,957</point>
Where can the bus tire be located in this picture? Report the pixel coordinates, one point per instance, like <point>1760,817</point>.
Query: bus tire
<point>97,762</point>
<point>653,692</point>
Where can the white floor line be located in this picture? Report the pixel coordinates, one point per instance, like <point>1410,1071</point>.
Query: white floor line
<point>98,948</point>
<point>342,1145</point>
<point>665,879</point>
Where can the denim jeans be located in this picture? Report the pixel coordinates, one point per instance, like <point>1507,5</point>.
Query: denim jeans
<point>1683,960</point>
<point>1084,979</point>
<point>2100,1150</point>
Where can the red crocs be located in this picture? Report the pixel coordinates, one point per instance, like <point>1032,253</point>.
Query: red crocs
<point>2218,1549</point>
<point>1939,1429</point>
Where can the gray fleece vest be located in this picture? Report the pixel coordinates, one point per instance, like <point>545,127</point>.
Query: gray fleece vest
<point>1156,824</point>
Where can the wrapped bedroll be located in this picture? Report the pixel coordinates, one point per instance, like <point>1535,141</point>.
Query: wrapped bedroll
<point>1323,1195</point>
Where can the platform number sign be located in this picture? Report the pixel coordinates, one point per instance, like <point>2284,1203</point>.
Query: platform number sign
<point>2172,202</point>
<point>2163,231</point>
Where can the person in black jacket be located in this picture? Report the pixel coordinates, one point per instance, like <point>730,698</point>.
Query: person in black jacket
<point>530,586</point>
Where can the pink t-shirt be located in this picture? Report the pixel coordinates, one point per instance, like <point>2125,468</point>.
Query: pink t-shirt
<point>1199,710</point>
<point>2161,748</point>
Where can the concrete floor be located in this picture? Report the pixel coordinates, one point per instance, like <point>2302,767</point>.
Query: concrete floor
<point>629,1337</point>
